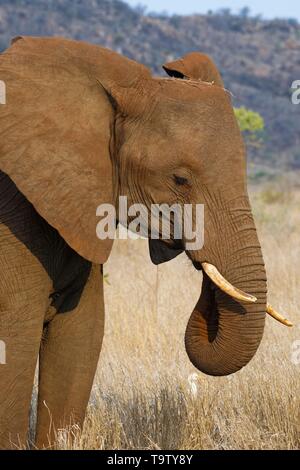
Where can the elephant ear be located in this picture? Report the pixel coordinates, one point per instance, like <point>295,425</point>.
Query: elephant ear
<point>55,137</point>
<point>195,66</point>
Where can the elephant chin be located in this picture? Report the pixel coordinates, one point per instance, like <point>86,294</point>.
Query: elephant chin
<point>223,334</point>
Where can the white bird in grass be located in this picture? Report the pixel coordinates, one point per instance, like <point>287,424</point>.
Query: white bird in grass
<point>193,383</point>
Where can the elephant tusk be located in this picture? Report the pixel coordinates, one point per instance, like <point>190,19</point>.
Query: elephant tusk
<point>224,285</point>
<point>277,316</point>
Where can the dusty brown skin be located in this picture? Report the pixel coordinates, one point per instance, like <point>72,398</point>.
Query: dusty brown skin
<point>83,125</point>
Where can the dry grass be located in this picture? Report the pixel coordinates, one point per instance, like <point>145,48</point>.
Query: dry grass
<point>142,395</point>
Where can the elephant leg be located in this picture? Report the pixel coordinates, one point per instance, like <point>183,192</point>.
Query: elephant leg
<point>21,330</point>
<point>69,355</point>
<point>24,299</point>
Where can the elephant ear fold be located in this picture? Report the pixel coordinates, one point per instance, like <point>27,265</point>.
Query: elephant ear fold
<point>160,252</point>
<point>55,137</point>
<point>15,39</point>
<point>195,66</point>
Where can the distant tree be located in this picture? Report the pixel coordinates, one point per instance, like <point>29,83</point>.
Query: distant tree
<point>224,11</point>
<point>164,14</point>
<point>140,9</point>
<point>175,20</point>
<point>245,12</point>
<point>258,17</point>
<point>251,124</point>
<point>292,21</point>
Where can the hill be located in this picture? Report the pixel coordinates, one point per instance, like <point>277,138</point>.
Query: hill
<point>259,59</point>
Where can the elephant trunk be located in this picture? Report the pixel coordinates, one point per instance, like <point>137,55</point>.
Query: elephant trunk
<point>223,333</point>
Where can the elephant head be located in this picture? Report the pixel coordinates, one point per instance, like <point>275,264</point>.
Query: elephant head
<point>83,125</point>
<point>187,148</point>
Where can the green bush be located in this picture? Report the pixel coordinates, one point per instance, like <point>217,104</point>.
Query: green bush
<point>252,126</point>
<point>249,121</point>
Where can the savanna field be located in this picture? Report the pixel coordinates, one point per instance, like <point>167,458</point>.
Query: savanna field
<point>146,393</point>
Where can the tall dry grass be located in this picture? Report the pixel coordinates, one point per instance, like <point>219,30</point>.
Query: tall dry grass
<point>147,395</point>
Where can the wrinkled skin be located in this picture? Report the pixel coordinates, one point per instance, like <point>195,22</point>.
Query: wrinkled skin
<point>83,125</point>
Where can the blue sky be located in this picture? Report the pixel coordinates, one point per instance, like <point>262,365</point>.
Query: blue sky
<point>268,8</point>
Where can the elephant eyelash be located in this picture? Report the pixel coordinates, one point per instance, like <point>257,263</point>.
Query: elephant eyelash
<point>180,180</point>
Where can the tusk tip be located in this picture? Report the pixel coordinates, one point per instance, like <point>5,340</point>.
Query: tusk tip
<point>286,322</point>
<point>277,316</point>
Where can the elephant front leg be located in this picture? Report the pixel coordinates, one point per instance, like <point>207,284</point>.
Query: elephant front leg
<point>68,360</point>
<point>20,334</point>
<point>24,299</point>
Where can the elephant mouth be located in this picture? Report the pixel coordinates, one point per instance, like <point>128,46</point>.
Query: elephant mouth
<point>162,251</point>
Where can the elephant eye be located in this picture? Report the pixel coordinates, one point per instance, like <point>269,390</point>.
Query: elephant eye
<point>180,180</point>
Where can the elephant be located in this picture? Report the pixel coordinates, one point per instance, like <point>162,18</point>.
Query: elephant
<point>81,126</point>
